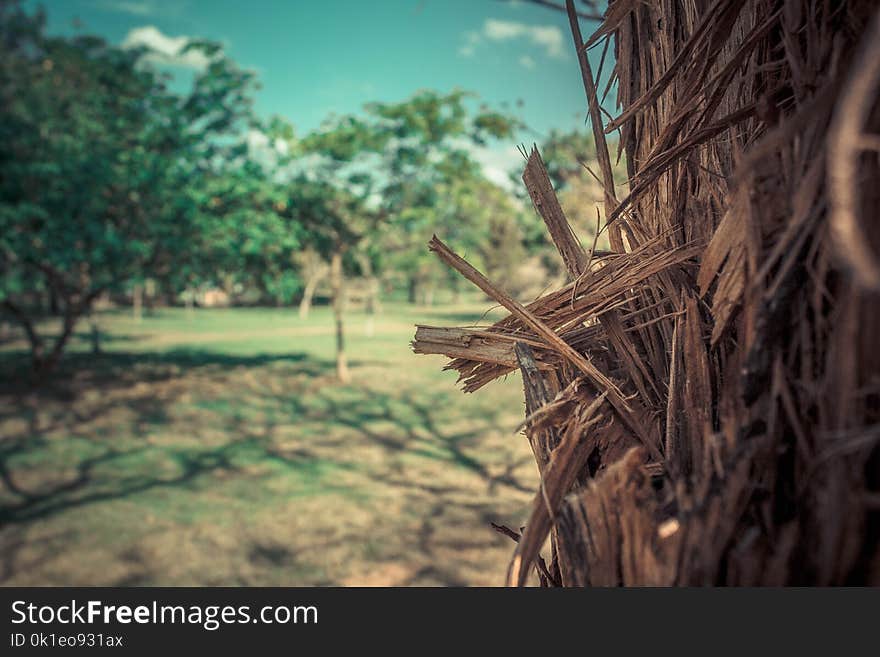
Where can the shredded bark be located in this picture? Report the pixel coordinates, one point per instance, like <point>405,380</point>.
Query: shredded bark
<point>703,404</point>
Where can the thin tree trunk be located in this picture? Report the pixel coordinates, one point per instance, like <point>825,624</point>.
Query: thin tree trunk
<point>72,313</point>
<point>372,293</point>
<point>372,303</point>
<point>34,339</point>
<point>413,290</point>
<point>137,302</point>
<point>47,365</point>
<point>95,334</point>
<point>337,285</point>
<point>150,289</point>
<point>54,308</point>
<point>305,304</point>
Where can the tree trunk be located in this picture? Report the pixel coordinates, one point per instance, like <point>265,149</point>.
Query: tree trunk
<point>95,335</point>
<point>305,304</point>
<point>337,286</point>
<point>137,302</point>
<point>47,365</point>
<point>72,313</point>
<point>372,305</point>
<point>413,291</point>
<point>34,339</point>
<point>150,289</point>
<point>372,300</point>
<point>54,308</point>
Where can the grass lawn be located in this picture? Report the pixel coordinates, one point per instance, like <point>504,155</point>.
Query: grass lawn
<point>215,448</point>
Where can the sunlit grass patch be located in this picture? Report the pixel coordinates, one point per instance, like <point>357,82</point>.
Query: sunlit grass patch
<point>216,447</point>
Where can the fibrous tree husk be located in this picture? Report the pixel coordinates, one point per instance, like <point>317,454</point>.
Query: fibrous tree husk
<point>704,403</point>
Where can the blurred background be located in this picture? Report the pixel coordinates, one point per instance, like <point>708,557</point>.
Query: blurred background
<point>213,228</point>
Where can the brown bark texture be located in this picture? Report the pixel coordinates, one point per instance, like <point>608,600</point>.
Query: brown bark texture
<point>703,403</point>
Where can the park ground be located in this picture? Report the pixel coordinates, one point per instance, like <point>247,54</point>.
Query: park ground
<point>215,448</point>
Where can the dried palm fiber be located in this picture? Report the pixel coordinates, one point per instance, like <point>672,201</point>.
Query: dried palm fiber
<point>704,404</point>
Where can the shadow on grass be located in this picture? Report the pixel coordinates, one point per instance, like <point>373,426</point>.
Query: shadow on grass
<point>95,399</point>
<point>117,375</point>
<point>420,430</point>
<point>123,368</point>
<point>416,417</point>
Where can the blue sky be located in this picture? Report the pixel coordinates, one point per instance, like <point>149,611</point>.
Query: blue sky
<point>315,57</point>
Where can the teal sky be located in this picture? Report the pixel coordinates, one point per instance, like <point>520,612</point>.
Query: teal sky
<point>314,57</point>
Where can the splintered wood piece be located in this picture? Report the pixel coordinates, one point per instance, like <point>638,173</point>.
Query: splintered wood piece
<point>537,395</point>
<point>473,344</point>
<point>600,380</point>
<point>544,199</point>
<point>573,309</point>
<point>609,531</point>
<point>549,336</point>
<point>566,463</point>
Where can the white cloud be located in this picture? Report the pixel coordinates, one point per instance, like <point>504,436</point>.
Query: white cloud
<point>547,37</point>
<point>501,30</point>
<point>164,49</point>
<point>527,62</point>
<point>550,37</point>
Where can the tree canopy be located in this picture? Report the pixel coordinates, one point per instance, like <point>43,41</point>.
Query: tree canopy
<point>100,164</point>
<point>113,176</point>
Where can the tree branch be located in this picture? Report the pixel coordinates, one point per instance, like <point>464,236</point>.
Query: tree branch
<point>590,16</point>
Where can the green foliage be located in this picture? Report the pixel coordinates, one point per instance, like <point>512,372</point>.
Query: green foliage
<point>248,233</point>
<point>377,186</point>
<point>100,163</point>
<point>343,139</point>
<point>110,179</point>
<point>433,183</point>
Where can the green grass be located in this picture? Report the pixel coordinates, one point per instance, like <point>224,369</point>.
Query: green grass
<point>215,447</point>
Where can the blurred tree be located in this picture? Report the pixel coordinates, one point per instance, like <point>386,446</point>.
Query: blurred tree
<point>314,269</point>
<point>100,166</point>
<point>480,218</point>
<point>111,181</point>
<point>334,221</point>
<point>368,187</point>
<point>250,235</point>
<point>334,183</point>
<point>431,176</point>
